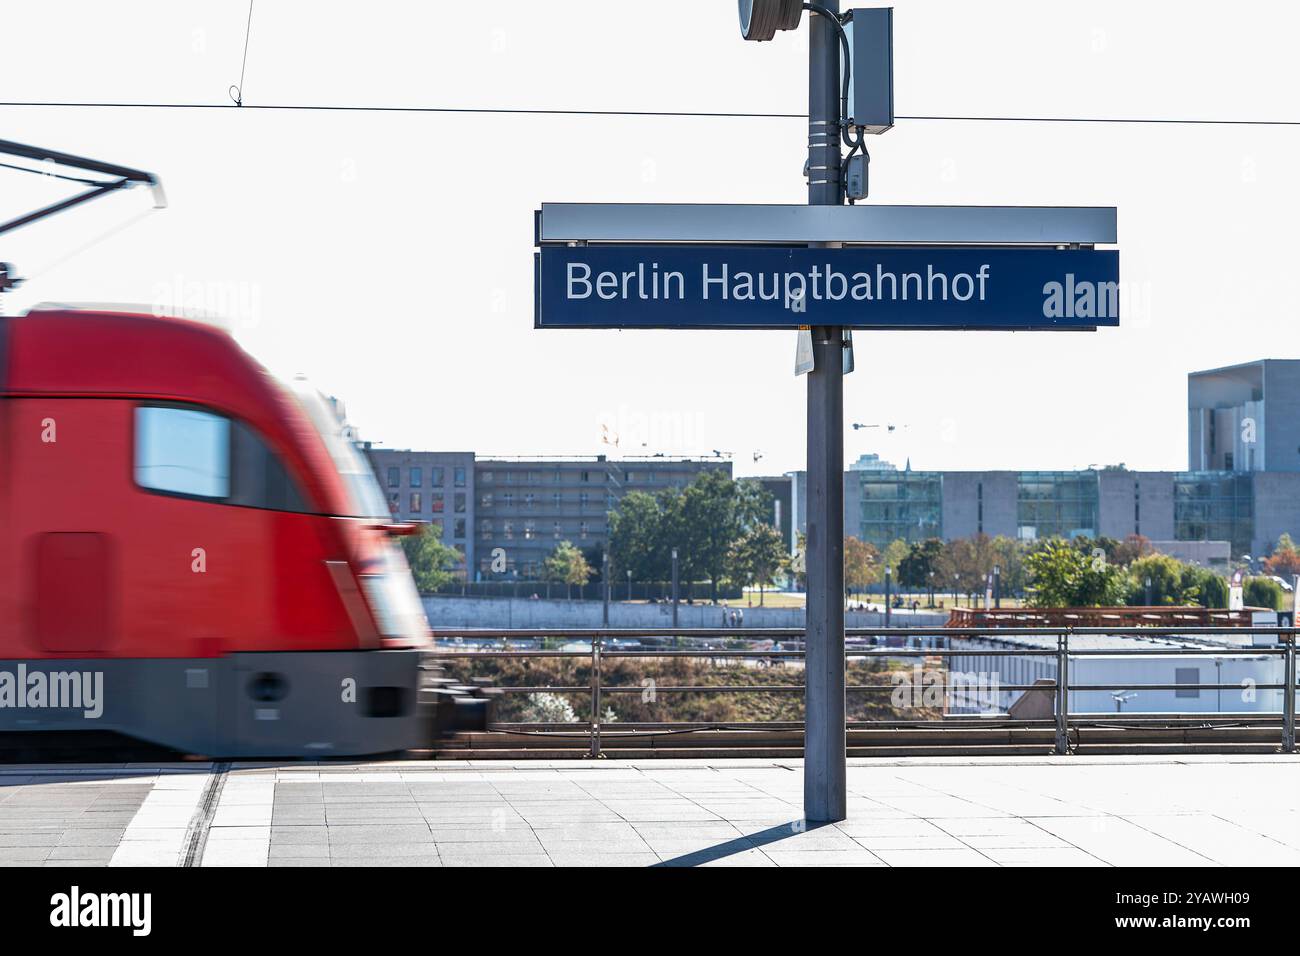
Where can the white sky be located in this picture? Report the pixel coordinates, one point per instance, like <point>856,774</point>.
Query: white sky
<point>389,256</point>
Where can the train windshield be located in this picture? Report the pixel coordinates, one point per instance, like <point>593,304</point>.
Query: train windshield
<point>365,500</point>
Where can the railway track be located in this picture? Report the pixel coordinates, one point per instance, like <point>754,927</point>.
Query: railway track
<point>1173,735</point>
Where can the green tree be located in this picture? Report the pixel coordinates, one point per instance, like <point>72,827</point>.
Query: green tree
<point>1009,557</point>
<point>567,565</point>
<point>433,563</point>
<point>757,558</point>
<point>715,512</point>
<point>1062,575</point>
<point>965,563</point>
<point>919,571</point>
<point>1171,581</point>
<point>1262,592</point>
<point>1211,588</point>
<point>893,556</point>
<point>861,565</point>
<point>639,533</point>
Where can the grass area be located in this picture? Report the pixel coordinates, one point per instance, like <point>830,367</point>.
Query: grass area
<point>648,705</point>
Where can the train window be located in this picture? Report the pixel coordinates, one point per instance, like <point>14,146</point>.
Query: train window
<point>261,480</point>
<point>183,451</point>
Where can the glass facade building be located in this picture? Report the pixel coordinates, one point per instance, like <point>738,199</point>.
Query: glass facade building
<point>1060,504</point>
<point>1215,506</point>
<point>900,504</point>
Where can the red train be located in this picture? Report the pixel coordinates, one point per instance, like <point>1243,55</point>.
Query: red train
<point>191,553</point>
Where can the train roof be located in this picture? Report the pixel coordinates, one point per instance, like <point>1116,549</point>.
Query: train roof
<point>61,351</point>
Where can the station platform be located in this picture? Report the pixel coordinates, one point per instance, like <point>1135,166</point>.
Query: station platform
<point>1195,810</point>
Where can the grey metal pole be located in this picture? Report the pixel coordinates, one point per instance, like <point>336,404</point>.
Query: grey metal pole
<point>604,588</point>
<point>674,587</point>
<point>1288,704</point>
<point>825,794</point>
<point>887,604</point>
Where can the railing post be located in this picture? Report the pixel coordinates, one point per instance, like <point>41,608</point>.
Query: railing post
<point>595,696</point>
<point>1288,702</point>
<point>1063,692</point>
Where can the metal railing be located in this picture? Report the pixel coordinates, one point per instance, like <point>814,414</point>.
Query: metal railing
<point>944,642</point>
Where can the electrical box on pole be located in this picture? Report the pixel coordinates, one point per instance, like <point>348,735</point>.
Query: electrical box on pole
<point>870,35</point>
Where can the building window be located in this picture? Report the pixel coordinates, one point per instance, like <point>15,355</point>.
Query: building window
<point>508,499</point>
<point>1213,506</point>
<point>557,533</point>
<point>586,476</point>
<point>557,476</point>
<point>582,499</point>
<point>904,504</point>
<point>528,500</point>
<point>458,476</point>
<point>395,502</point>
<point>508,530</point>
<point>486,477</point>
<point>415,502</point>
<point>437,502</point>
<point>557,500</point>
<point>1187,675</point>
<point>458,503</point>
<point>394,477</point>
<point>485,501</point>
<point>530,530</point>
<point>458,529</point>
<point>485,530</point>
<point>1056,504</point>
<point>436,476</point>
<point>582,529</point>
<point>416,477</point>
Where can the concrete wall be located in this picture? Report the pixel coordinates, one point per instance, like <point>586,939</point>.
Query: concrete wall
<point>1152,491</point>
<point>524,612</point>
<point>962,491</point>
<point>1277,503</point>
<point>1281,407</point>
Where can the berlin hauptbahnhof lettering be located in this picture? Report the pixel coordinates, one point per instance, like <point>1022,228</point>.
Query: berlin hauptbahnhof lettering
<point>612,286</point>
<point>818,283</point>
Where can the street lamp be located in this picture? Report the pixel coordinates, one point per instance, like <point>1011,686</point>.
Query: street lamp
<point>1147,584</point>
<point>997,585</point>
<point>674,591</point>
<point>761,19</point>
<point>887,596</point>
<point>931,588</point>
<point>629,584</point>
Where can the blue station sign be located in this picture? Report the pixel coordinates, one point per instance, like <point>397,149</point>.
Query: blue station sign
<point>727,286</point>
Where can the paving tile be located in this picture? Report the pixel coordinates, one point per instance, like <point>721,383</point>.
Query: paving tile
<point>400,834</point>
<point>856,857</point>
<point>905,857</point>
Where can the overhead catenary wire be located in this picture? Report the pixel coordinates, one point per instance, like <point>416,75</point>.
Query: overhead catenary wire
<point>237,92</point>
<point>573,111</point>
